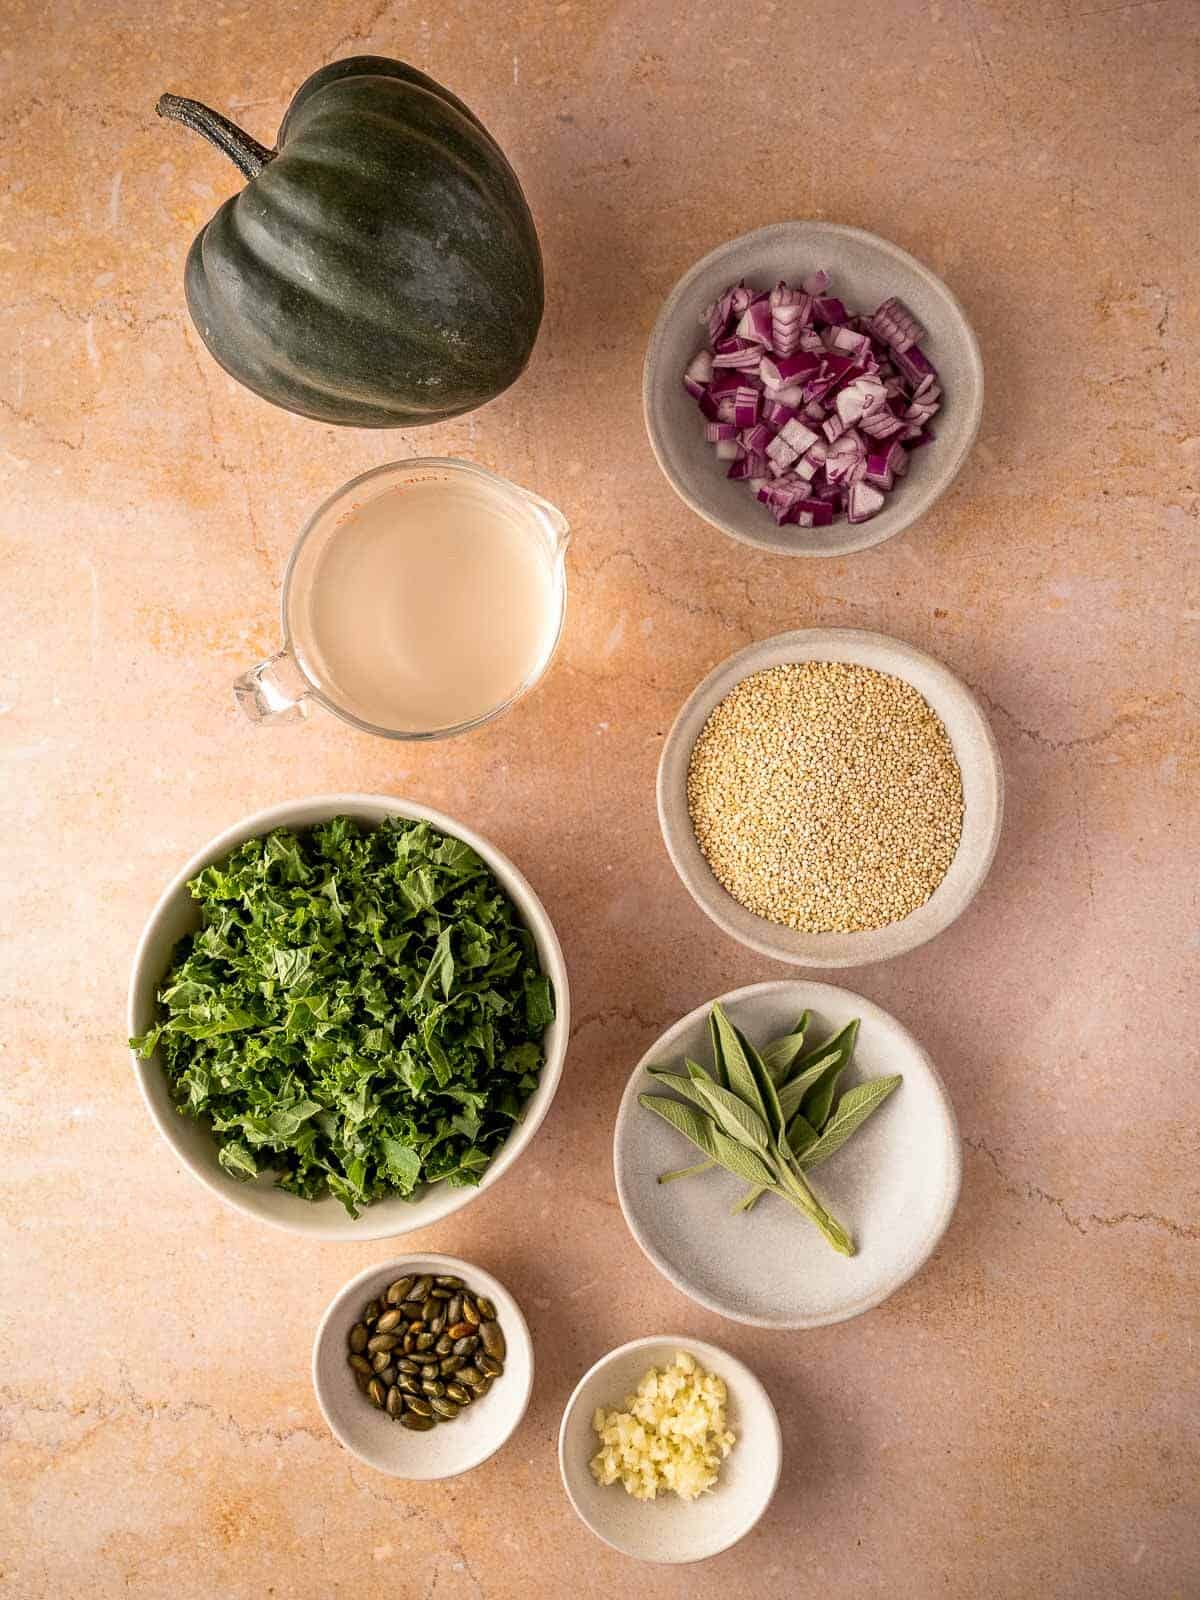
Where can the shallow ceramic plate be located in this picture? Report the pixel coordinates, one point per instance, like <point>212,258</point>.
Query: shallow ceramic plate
<point>670,1529</point>
<point>865,270</point>
<point>983,796</point>
<point>192,1143</point>
<point>454,1447</point>
<point>894,1185</point>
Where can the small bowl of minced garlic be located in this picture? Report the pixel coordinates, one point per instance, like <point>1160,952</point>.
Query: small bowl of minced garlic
<point>670,1449</point>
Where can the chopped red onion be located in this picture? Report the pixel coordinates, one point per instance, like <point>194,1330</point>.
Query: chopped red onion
<point>782,365</point>
<point>895,324</point>
<point>745,406</point>
<point>864,501</point>
<point>828,310</point>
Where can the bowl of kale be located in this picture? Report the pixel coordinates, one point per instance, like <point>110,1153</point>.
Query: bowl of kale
<point>348,1015</point>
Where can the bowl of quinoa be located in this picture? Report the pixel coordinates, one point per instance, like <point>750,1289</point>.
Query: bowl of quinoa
<point>831,797</point>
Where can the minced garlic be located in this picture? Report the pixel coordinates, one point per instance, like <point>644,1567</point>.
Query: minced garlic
<point>670,1437</point>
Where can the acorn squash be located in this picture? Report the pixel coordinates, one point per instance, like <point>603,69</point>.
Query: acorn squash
<point>380,269</point>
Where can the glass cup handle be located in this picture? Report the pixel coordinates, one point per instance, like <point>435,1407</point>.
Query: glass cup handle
<point>273,691</point>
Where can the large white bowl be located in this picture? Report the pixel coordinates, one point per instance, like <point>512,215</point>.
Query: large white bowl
<point>480,1429</point>
<point>669,1529</point>
<point>865,271</point>
<point>177,914</point>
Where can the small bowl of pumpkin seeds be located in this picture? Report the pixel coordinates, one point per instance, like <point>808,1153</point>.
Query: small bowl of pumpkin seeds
<point>423,1366</point>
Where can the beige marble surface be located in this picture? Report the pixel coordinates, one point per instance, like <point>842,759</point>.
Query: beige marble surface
<point>1022,1419</point>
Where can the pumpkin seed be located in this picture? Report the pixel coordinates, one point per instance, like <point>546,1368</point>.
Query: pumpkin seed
<point>376,1393</point>
<point>421,1288</point>
<point>493,1340</point>
<point>361,1364</point>
<point>410,1343</point>
<point>448,1281</point>
<point>410,1310</point>
<point>486,1309</point>
<point>471,1376</point>
<point>388,1321</point>
<point>489,1365</point>
<point>445,1408</point>
<point>444,1345</point>
<point>454,1310</point>
<point>417,1423</point>
<point>482,1389</point>
<point>459,1393</point>
<point>381,1359</point>
<point>420,1407</point>
<point>382,1341</point>
<point>461,1330</point>
<point>424,1341</point>
<point>395,1402</point>
<point>407,1384</point>
<point>358,1338</point>
<point>371,1314</point>
<point>448,1365</point>
<point>429,1369</point>
<point>437,1324</point>
<point>406,1364</point>
<point>398,1291</point>
<point>432,1387</point>
<point>471,1311</point>
<point>429,1309</point>
<point>441,1294</point>
<point>467,1346</point>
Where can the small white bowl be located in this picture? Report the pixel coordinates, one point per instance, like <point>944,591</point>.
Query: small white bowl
<point>978,760</point>
<point>177,914</point>
<point>480,1428</point>
<point>670,1529</point>
<point>894,1185</point>
<point>865,271</point>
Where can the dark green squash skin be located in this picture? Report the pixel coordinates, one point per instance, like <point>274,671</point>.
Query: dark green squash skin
<point>382,270</point>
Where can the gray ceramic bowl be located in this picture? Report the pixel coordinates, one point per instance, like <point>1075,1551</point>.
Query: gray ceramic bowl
<point>983,794</point>
<point>373,1436</point>
<point>865,270</point>
<point>894,1185</point>
<point>670,1529</point>
<point>193,1145</point>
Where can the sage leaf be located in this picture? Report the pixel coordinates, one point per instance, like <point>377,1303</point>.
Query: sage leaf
<point>792,1093</point>
<point>686,1088</point>
<point>801,1134</point>
<point>736,1118</point>
<point>853,1109</point>
<point>690,1123</point>
<point>747,1077</point>
<point>706,1136</point>
<point>714,1033</point>
<point>695,1070</point>
<point>741,1162</point>
<point>779,1055</point>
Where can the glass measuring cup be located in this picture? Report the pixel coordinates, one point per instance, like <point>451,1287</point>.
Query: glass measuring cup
<point>469,550</point>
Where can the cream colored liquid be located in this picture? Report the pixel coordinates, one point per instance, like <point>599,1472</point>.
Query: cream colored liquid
<point>429,606</point>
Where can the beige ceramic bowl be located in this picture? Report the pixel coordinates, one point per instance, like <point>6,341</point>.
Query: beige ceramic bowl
<point>371,1435</point>
<point>983,793</point>
<point>894,1185</point>
<point>177,914</point>
<point>865,270</point>
<point>670,1529</point>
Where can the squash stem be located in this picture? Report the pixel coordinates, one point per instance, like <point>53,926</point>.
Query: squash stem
<point>247,155</point>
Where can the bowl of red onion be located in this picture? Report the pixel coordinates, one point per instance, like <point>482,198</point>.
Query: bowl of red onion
<point>811,389</point>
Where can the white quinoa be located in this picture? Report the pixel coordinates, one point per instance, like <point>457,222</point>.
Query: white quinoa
<point>826,797</point>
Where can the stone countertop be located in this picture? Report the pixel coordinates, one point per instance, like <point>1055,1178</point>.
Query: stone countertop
<point>1022,1418</point>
